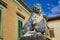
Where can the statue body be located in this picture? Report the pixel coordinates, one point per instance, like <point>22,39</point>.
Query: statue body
<point>36,21</point>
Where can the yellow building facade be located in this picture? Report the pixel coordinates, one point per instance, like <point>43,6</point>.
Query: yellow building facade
<point>54,28</point>
<point>13,14</point>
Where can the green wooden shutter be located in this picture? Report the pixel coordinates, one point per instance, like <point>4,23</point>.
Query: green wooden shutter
<point>0,26</point>
<point>20,24</point>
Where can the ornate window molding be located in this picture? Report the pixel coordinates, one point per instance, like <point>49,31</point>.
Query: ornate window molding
<point>20,15</point>
<point>3,3</point>
<point>21,6</point>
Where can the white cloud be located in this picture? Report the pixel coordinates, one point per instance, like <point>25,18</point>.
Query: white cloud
<point>48,4</point>
<point>43,13</point>
<point>49,8</point>
<point>59,2</point>
<point>51,15</point>
<point>56,9</point>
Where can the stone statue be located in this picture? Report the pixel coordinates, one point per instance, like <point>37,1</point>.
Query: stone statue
<point>35,22</point>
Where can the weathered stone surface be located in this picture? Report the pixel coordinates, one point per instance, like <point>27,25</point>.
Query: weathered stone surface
<point>32,38</point>
<point>31,35</point>
<point>35,37</point>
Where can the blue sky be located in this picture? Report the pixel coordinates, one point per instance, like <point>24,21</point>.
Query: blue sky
<point>50,8</point>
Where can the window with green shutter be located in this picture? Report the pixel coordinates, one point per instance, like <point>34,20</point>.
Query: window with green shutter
<point>20,20</point>
<point>20,24</point>
<point>0,25</point>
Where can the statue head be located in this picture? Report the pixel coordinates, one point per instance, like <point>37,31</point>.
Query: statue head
<point>37,8</point>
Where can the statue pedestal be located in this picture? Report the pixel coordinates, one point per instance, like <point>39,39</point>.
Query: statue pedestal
<point>34,36</point>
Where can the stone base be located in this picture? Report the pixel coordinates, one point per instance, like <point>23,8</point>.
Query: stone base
<point>34,38</point>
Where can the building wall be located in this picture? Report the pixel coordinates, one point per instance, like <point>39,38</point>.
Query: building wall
<point>10,20</point>
<point>55,24</point>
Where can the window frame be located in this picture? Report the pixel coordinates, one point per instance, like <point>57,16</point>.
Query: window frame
<point>51,29</point>
<point>21,19</point>
<point>19,5</point>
